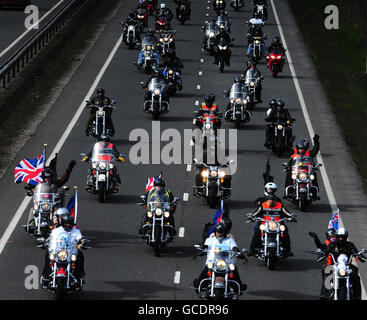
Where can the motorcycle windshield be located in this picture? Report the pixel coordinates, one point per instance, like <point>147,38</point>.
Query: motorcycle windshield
<point>303,164</point>
<point>158,201</point>
<point>155,84</point>
<point>101,154</point>
<point>148,42</point>
<point>64,241</point>
<point>251,75</point>
<point>236,92</point>
<point>45,193</point>
<point>212,29</point>
<point>275,52</point>
<point>220,252</point>
<point>222,21</point>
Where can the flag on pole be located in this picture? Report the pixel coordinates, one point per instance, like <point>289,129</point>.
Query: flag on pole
<point>72,205</point>
<point>150,183</point>
<point>334,220</point>
<point>30,170</point>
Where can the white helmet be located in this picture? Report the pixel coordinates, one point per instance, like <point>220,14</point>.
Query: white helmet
<point>61,211</point>
<point>163,5</point>
<point>270,185</point>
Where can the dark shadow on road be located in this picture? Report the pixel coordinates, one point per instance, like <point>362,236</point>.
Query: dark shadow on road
<point>281,295</point>
<point>104,239</point>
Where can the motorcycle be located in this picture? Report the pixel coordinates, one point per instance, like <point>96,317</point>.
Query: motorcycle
<point>170,77</point>
<point>302,192</point>
<point>131,30</point>
<point>223,53</point>
<point>252,82</point>
<point>166,40</point>
<point>162,23</point>
<point>340,281</point>
<point>236,4</point>
<point>99,124</point>
<point>256,48</point>
<point>63,254</point>
<point>46,200</point>
<point>275,62</point>
<point>280,142</point>
<point>182,14</point>
<point>142,17</point>
<point>211,31</point>
<point>157,228</point>
<point>219,285</point>
<point>225,22</point>
<point>102,170</point>
<point>212,189</point>
<point>260,9</point>
<point>149,59</point>
<point>218,6</point>
<point>239,111</point>
<point>156,103</point>
<point>272,231</point>
<point>151,6</point>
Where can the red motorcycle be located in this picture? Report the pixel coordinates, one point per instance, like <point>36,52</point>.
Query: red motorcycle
<point>151,7</point>
<point>275,62</point>
<point>162,23</point>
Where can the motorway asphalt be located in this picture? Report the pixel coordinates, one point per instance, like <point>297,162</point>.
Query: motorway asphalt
<point>120,265</point>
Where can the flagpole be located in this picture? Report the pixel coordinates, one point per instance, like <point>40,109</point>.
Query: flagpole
<point>44,152</point>
<point>76,203</point>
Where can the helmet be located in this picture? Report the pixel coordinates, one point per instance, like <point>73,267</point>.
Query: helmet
<point>341,236</point>
<point>270,188</point>
<point>330,233</point>
<point>163,5</point>
<point>237,79</point>
<point>228,223</point>
<point>47,173</point>
<point>220,231</point>
<point>272,103</point>
<point>276,40</point>
<point>280,104</point>
<point>67,221</point>
<point>59,213</point>
<point>256,15</point>
<point>159,184</point>
<point>303,144</point>
<point>210,98</point>
<point>100,91</point>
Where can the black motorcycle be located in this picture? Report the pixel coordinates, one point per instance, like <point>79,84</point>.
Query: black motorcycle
<point>280,142</point>
<point>222,53</point>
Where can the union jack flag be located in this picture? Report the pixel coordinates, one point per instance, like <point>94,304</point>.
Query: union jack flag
<point>150,183</point>
<point>30,170</point>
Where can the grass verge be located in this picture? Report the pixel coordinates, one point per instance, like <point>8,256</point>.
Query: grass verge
<point>339,56</point>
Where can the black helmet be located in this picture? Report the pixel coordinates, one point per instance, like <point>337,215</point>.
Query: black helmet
<point>210,98</point>
<point>220,231</point>
<point>256,15</point>
<point>100,91</point>
<point>341,236</point>
<point>330,233</point>
<point>273,103</point>
<point>67,221</point>
<point>303,144</point>
<point>159,182</point>
<point>47,173</point>
<point>276,40</point>
<point>237,79</point>
<point>280,104</point>
<point>228,223</point>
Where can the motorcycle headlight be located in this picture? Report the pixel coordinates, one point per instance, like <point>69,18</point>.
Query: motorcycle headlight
<point>158,212</point>
<point>46,207</point>
<point>312,177</point>
<point>244,101</point>
<point>238,100</point>
<point>161,40</point>
<point>51,256</point>
<point>170,71</point>
<point>262,227</point>
<point>282,228</point>
<point>73,257</point>
<point>211,34</point>
<point>150,214</point>
<point>232,100</point>
<point>62,255</point>
<point>302,176</point>
<point>221,264</point>
<point>252,83</point>
<point>131,28</point>
<point>207,125</point>
<point>279,57</point>
<point>111,166</point>
<point>100,113</point>
<point>294,176</point>
<point>231,267</point>
<point>213,173</point>
<point>36,207</point>
<point>222,174</point>
<point>210,265</point>
<point>204,173</point>
<point>166,214</point>
<point>257,42</point>
<point>94,165</point>
<point>271,56</point>
<point>273,226</point>
<point>165,39</point>
<point>280,127</point>
<point>342,272</point>
<point>157,92</point>
<point>149,47</point>
<point>102,165</point>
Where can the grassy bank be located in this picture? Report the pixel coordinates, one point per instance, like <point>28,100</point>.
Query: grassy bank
<point>340,59</point>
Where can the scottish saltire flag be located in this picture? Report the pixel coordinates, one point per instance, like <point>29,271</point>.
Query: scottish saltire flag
<point>150,183</point>
<point>72,205</point>
<point>30,170</point>
<point>334,221</point>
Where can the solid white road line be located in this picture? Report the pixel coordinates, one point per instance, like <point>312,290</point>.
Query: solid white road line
<point>26,32</point>
<point>325,178</point>
<point>177,277</point>
<point>14,222</point>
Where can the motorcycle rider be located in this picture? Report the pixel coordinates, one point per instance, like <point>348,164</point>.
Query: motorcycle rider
<point>221,236</point>
<point>187,4</point>
<point>255,21</point>
<point>259,77</point>
<point>278,112</point>
<point>330,235</point>
<point>257,32</point>
<point>163,10</point>
<point>223,34</point>
<point>272,206</point>
<point>125,24</point>
<point>342,246</point>
<point>172,61</point>
<point>141,9</point>
<point>209,106</point>
<point>165,96</point>
<point>73,235</point>
<point>100,100</point>
<point>104,144</point>
<point>300,151</point>
<point>165,195</point>
<point>276,44</point>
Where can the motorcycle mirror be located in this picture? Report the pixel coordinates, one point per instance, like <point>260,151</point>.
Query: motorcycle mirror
<point>143,197</point>
<point>29,193</point>
<point>364,250</point>
<point>66,188</point>
<point>176,199</point>
<point>244,250</point>
<point>141,82</point>
<point>195,160</point>
<point>41,239</point>
<point>285,164</point>
<point>83,154</point>
<point>197,246</point>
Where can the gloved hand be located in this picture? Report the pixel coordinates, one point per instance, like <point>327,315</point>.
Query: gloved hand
<point>85,158</point>
<point>122,159</point>
<point>71,166</point>
<point>316,137</point>
<point>362,257</point>
<point>293,219</point>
